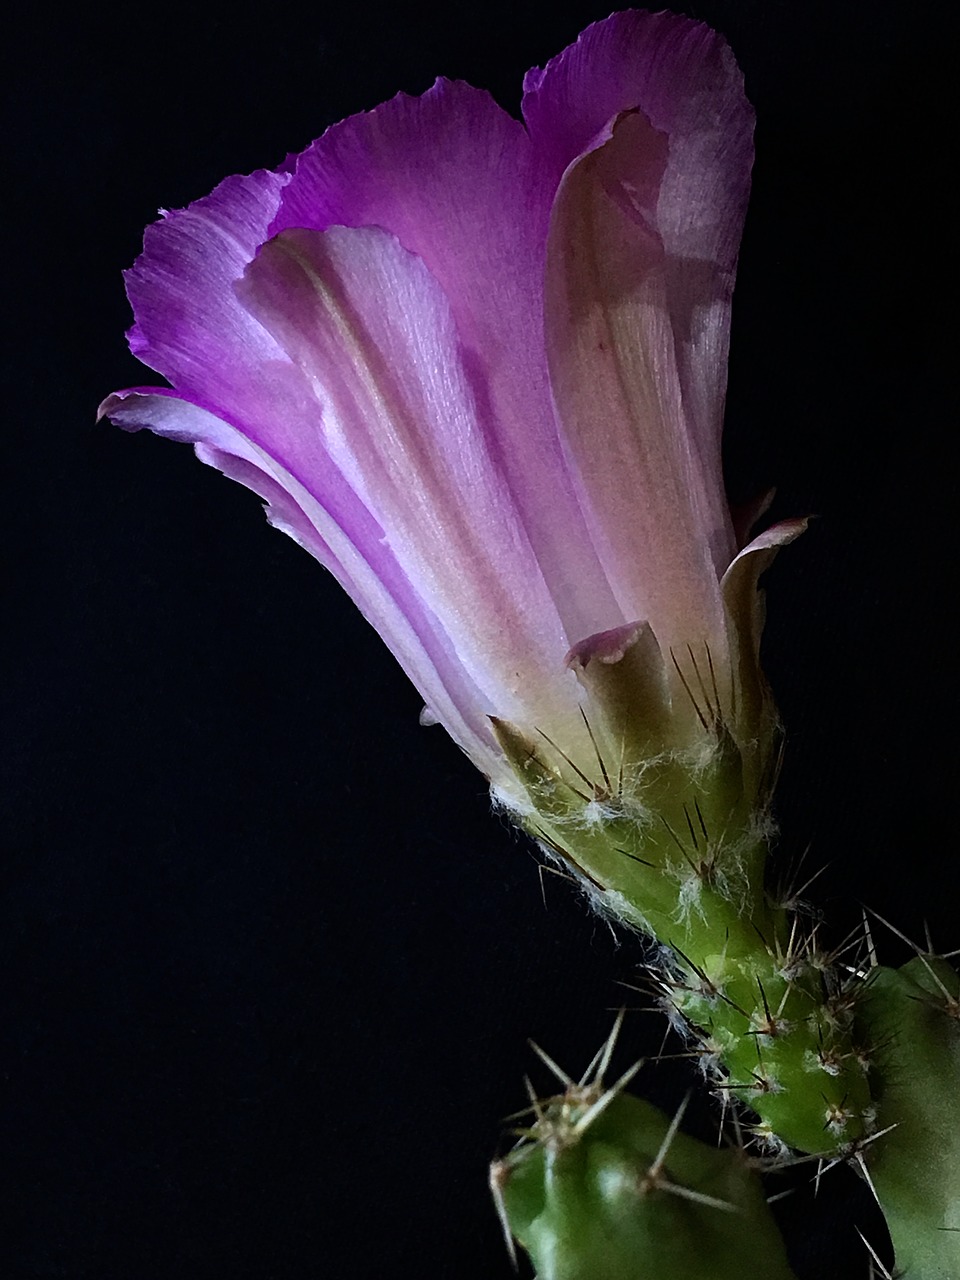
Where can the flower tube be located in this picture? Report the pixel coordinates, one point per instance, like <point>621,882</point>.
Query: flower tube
<point>477,368</point>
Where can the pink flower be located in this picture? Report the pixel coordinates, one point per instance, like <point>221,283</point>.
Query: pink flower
<point>477,369</point>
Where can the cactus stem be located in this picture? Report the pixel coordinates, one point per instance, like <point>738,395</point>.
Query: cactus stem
<point>597,1182</point>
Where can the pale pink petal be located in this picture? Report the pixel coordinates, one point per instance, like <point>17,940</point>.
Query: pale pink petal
<point>656,513</point>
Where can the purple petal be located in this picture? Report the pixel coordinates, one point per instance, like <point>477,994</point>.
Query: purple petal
<point>457,181</point>
<point>684,79</point>
<point>190,327</point>
<point>368,572</point>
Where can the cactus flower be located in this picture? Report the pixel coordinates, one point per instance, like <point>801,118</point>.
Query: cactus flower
<point>477,369</point>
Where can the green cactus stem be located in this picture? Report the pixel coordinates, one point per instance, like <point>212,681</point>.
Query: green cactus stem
<point>605,1187</point>
<point>677,847</point>
<point>913,1017</point>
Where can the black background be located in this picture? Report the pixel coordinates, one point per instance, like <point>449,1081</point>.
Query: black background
<point>268,962</point>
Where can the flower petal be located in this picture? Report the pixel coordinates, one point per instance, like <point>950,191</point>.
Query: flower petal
<point>190,327</point>
<point>745,612</point>
<point>656,513</point>
<point>373,336</point>
<point>683,78</point>
<point>457,181</point>
<point>624,673</point>
<point>373,579</point>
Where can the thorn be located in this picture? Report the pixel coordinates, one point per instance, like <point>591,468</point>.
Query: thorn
<point>874,1256</point>
<point>532,1095</point>
<point>868,934</point>
<point>693,834</point>
<point>557,872</point>
<point>545,1058</point>
<point>698,1197</point>
<point>853,939</point>
<point>781,1195</point>
<point>603,767</point>
<point>787,992</point>
<point>737,1128</point>
<point>566,856</point>
<point>498,1176</point>
<point>601,1104</point>
<point>881,1133</point>
<point>665,1145</point>
<point>677,841</point>
<point>591,1066</point>
<point>634,857</point>
<point>703,825</point>
<point>798,893</point>
<point>713,681</point>
<point>576,768</point>
<point>688,691</point>
<point>607,1050</point>
<point>766,1007</point>
<point>862,1165</point>
<point>714,714</point>
<point>724,1103</point>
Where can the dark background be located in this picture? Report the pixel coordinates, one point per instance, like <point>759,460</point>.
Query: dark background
<point>268,962</point>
